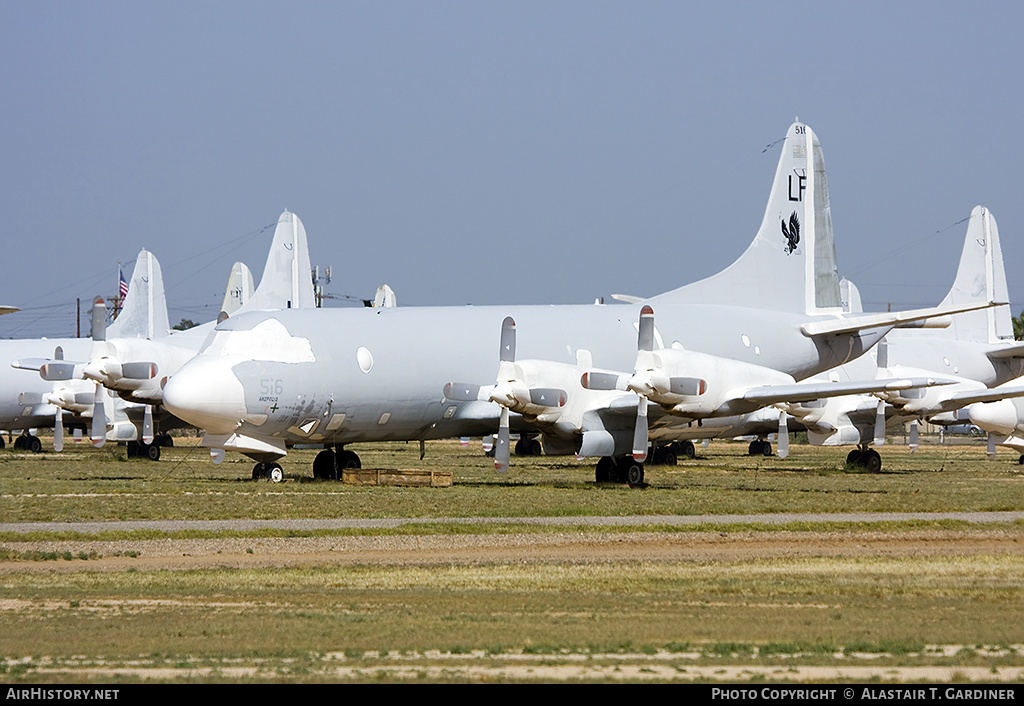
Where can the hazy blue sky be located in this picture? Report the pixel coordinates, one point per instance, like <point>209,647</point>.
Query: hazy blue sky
<point>493,152</point>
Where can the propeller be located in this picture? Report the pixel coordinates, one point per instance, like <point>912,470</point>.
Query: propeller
<point>104,368</point>
<point>647,380</point>
<point>783,440</point>
<point>509,391</point>
<point>880,424</point>
<point>913,435</point>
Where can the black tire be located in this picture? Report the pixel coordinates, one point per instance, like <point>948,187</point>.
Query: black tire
<point>323,466</point>
<point>604,470</point>
<point>766,448</point>
<point>348,459</point>
<point>687,450</point>
<point>258,471</point>
<point>669,458</point>
<point>151,451</point>
<point>34,444</point>
<point>755,448</point>
<point>274,472</point>
<point>19,443</point>
<point>634,473</point>
<point>855,458</point>
<point>872,461</point>
<point>1020,461</point>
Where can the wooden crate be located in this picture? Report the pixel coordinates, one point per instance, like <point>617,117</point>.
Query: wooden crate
<point>405,477</point>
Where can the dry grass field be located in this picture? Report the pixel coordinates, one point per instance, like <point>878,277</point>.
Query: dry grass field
<point>539,574</point>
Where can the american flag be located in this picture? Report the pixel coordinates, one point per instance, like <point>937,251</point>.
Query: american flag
<point>123,286</point>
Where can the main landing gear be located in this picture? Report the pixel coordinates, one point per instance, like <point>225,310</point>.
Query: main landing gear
<point>866,458</point>
<point>330,463</point>
<point>619,469</point>
<point>759,447</point>
<point>669,455</point>
<point>28,442</point>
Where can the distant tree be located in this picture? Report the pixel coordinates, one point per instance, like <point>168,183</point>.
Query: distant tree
<point>186,324</point>
<point>1018,327</point>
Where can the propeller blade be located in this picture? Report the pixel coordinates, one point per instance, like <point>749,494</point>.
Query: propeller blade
<point>783,440</point>
<point>645,335</point>
<point>548,396</point>
<point>687,386</point>
<point>99,419</point>
<point>640,431</point>
<point>99,319</point>
<point>501,448</point>
<point>883,353</point>
<point>54,371</point>
<point>216,455</point>
<point>58,430</point>
<point>461,392</point>
<point>991,451</point>
<point>880,424</point>
<point>138,371</point>
<point>913,435</point>
<point>603,381</point>
<point>147,425</point>
<point>507,353</point>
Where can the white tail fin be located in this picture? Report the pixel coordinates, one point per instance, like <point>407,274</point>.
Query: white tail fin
<point>144,311</point>
<point>980,278</point>
<point>240,288</point>
<point>791,264</point>
<point>287,281</point>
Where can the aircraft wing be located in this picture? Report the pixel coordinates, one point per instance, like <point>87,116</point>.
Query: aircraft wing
<point>806,392</point>
<point>994,394</point>
<point>1014,351</point>
<point>850,324</point>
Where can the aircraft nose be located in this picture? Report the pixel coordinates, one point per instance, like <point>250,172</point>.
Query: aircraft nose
<point>206,393</point>
<point>1000,417</point>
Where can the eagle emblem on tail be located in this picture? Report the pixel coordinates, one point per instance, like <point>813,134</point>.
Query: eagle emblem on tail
<point>791,233</point>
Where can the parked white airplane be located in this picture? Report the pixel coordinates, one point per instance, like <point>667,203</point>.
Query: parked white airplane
<point>337,376</point>
<point>134,356</point>
<point>975,351</point>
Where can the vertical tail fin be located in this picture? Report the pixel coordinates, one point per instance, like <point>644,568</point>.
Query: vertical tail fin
<point>791,264</point>
<point>980,278</point>
<point>240,288</point>
<point>144,312</point>
<point>287,281</point>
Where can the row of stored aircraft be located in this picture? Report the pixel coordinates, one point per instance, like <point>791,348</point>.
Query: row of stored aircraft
<point>774,342</point>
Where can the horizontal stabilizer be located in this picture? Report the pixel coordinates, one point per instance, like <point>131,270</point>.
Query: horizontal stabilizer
<point>863,322</point>
<point>628,298</point>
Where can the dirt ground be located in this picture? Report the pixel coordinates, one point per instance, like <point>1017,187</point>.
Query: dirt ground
<point>564,547</point>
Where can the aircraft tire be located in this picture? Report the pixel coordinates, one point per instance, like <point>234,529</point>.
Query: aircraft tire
<point>258,471</point>
<point>604,470</point>
<point>668,457</point>
<point>324,466</point>
<point>34,444</point>
<point>634,473</point>
<point>348,459</point>
<point>151,451</point>
<point>1020,461</point>
<point>687,450</point>
<point>274,472</point>
<point>855,458</point>
<point>872,461</point>
<point>766,448</point>
<point>755,448</point>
